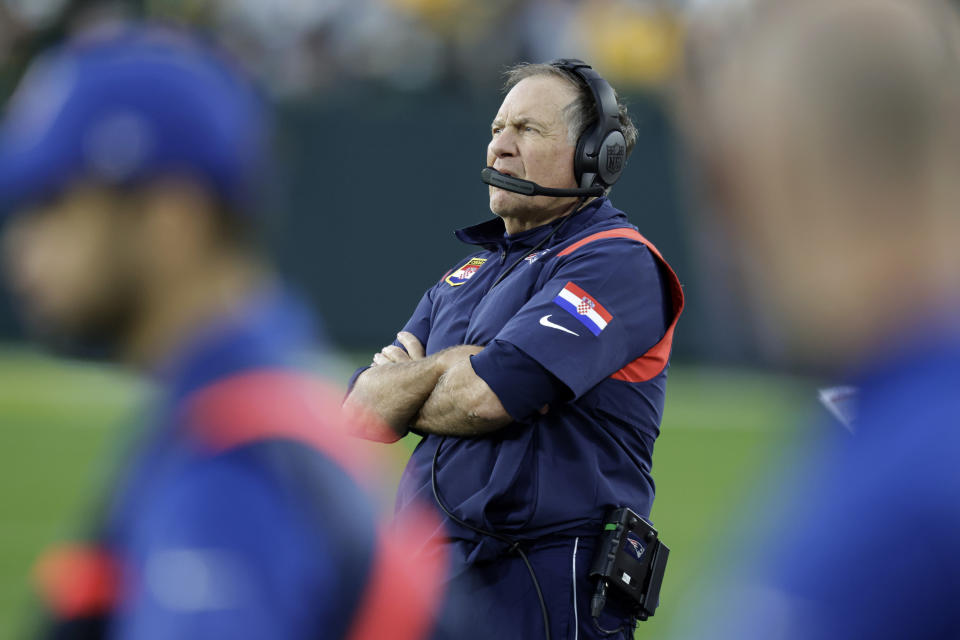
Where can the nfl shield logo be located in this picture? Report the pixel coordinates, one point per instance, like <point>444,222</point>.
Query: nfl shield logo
<point>615,154</point>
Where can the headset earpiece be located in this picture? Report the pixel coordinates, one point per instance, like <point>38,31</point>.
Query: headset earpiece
<point>612,157</point>
<point>601,150</point>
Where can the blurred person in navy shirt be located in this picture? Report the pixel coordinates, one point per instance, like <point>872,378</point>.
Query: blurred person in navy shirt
<point>128,159</point>
<point>834,132</point>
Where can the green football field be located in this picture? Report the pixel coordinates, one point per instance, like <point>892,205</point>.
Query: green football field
<point>62,425</point>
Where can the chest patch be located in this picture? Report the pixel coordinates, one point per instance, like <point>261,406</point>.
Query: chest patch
<point>465,272</point>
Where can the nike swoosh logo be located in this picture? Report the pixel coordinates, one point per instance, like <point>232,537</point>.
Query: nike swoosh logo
<point>545,321</point>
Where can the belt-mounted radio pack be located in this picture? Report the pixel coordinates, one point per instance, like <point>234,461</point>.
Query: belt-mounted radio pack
<point>630,560</point>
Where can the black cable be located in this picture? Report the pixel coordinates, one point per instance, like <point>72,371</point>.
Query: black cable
<point>514,544</point>
<point>597,604</point>
<point>606,632</point>
<point>563,221</point>
<point>536,586</point>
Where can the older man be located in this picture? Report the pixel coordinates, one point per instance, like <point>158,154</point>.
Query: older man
<point>535,368</point>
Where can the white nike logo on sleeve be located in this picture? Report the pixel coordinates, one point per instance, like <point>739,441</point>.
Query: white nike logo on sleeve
<point>545,321</point>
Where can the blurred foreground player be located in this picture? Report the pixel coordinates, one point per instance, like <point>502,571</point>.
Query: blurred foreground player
<point>837,123</point>
<point>127,159</point>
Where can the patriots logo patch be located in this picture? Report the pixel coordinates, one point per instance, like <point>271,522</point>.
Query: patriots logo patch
<point>533,257</point>
<point>584,307</point>
<point>634,546</point>
<point>465,272</point>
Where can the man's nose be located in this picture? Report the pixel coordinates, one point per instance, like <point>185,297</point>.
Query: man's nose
<point>503,145</point>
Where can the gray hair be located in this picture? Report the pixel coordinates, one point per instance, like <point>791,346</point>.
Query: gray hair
<point>582,112</point>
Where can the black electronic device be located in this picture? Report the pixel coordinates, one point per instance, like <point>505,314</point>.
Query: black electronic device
<point>601,150</point>
<point>631,561</point>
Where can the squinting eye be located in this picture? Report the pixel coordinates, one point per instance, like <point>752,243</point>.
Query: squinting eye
<point>496,130</point>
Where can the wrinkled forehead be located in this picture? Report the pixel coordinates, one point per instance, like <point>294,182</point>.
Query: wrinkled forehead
<point>541,97</point>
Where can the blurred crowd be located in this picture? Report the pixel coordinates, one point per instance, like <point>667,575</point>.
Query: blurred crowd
<point>302,46</point>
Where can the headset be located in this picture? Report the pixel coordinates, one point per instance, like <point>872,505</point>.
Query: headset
<point>601,150</point>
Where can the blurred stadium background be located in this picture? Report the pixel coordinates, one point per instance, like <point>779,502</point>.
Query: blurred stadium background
<point>383,114</point>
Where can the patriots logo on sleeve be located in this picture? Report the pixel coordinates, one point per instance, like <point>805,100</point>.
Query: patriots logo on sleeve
<point>584,307</point>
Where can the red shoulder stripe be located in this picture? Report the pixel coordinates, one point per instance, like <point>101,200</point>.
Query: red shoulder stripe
<point>624,232</point>
<point>654,361</point>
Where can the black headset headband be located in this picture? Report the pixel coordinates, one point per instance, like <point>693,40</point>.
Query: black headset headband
<point>601,149</point>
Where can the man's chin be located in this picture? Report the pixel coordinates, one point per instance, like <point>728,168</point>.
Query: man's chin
<point>505,203</point>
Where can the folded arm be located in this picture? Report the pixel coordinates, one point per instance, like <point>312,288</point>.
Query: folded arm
<point>461,404</point>
<point>439,394</point>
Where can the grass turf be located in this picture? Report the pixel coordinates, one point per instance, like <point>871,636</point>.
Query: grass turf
<point>61,425</point>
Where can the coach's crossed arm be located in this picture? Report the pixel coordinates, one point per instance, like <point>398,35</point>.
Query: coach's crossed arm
<point>439,394</point>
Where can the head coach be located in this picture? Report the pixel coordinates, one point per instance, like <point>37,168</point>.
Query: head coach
<point>536,367</point>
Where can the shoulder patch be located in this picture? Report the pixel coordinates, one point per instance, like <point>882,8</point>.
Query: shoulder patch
<point>465,272</point>
<point>584,307</point>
